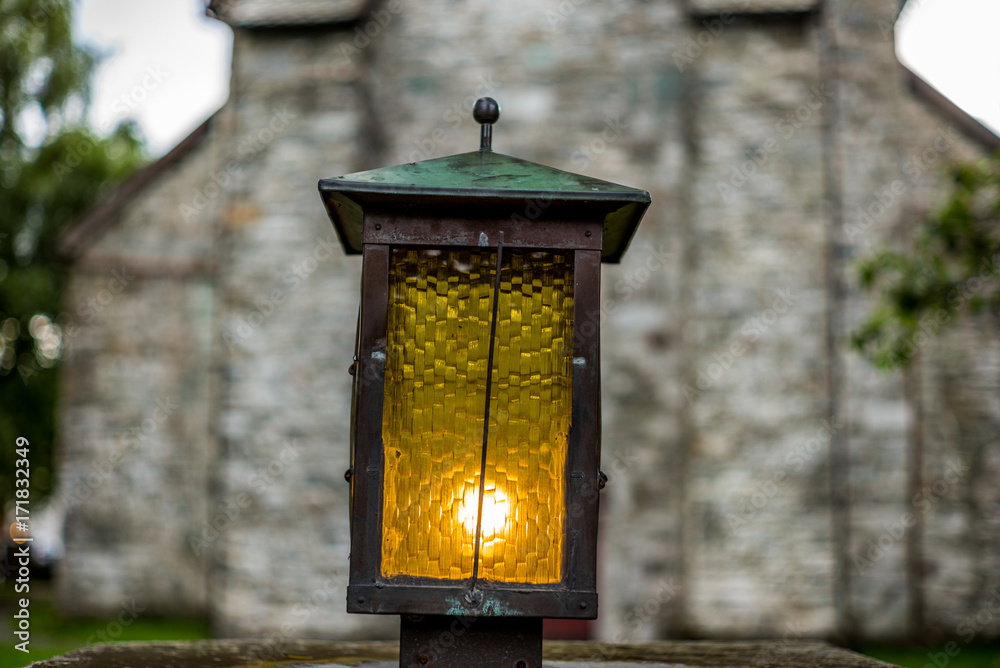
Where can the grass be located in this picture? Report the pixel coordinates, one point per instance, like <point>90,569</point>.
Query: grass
<point>52,635</point>
<point>964,656</point>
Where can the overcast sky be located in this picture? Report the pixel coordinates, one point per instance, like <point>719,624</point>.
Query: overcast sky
<point>167,65</point>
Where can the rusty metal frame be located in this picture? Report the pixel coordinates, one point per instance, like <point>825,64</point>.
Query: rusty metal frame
<point>366,481</point>
<point>576,595</point>
<point>452,230</point>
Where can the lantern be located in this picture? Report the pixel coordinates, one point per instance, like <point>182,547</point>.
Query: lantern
<point>476,419</point>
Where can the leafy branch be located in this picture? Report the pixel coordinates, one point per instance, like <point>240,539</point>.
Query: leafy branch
<point>951,270</point>
<point>53,167</point>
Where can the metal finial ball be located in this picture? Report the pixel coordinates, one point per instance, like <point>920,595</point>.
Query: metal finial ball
<point>486,111</point>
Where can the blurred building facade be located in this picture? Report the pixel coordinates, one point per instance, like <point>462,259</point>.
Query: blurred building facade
<point>764,479</point>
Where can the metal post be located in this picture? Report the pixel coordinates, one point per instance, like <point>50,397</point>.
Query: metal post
<point>439,641</point>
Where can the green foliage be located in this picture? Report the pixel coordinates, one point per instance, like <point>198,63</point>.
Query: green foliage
<point>52,169</point>
<point>52,634</point>
<point>951,270</point>
<point>950,655</point>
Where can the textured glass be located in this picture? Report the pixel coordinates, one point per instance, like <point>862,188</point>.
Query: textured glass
<point>440,308</point>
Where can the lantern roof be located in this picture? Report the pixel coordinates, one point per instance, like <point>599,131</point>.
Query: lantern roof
<point>484,183</point>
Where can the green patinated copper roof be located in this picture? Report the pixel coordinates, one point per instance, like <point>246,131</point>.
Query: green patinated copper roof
<point>484,171</point>
<point>487,178</point>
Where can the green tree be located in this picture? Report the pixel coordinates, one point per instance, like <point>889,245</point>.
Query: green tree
<point>52,168</point>
<point>950,271</point>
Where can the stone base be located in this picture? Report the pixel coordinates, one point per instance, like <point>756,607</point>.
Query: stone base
<point>385,654</point>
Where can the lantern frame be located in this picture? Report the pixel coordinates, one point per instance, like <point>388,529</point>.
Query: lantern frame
<point>441,204</point>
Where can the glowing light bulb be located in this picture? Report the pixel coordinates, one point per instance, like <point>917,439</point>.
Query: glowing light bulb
<point>496,508</point>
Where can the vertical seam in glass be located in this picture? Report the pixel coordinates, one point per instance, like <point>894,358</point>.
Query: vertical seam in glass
<point>486,415</point>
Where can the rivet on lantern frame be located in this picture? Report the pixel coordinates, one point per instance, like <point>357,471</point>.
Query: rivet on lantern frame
<point>477,393</point>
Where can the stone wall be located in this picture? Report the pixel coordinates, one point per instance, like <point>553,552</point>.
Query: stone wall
<point>137,406</point>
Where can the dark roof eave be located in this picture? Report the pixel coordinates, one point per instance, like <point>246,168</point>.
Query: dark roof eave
<point>74,241</point>
<point>621,212</point>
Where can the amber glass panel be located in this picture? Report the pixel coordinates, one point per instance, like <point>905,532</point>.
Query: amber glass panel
<point>440,308</point>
